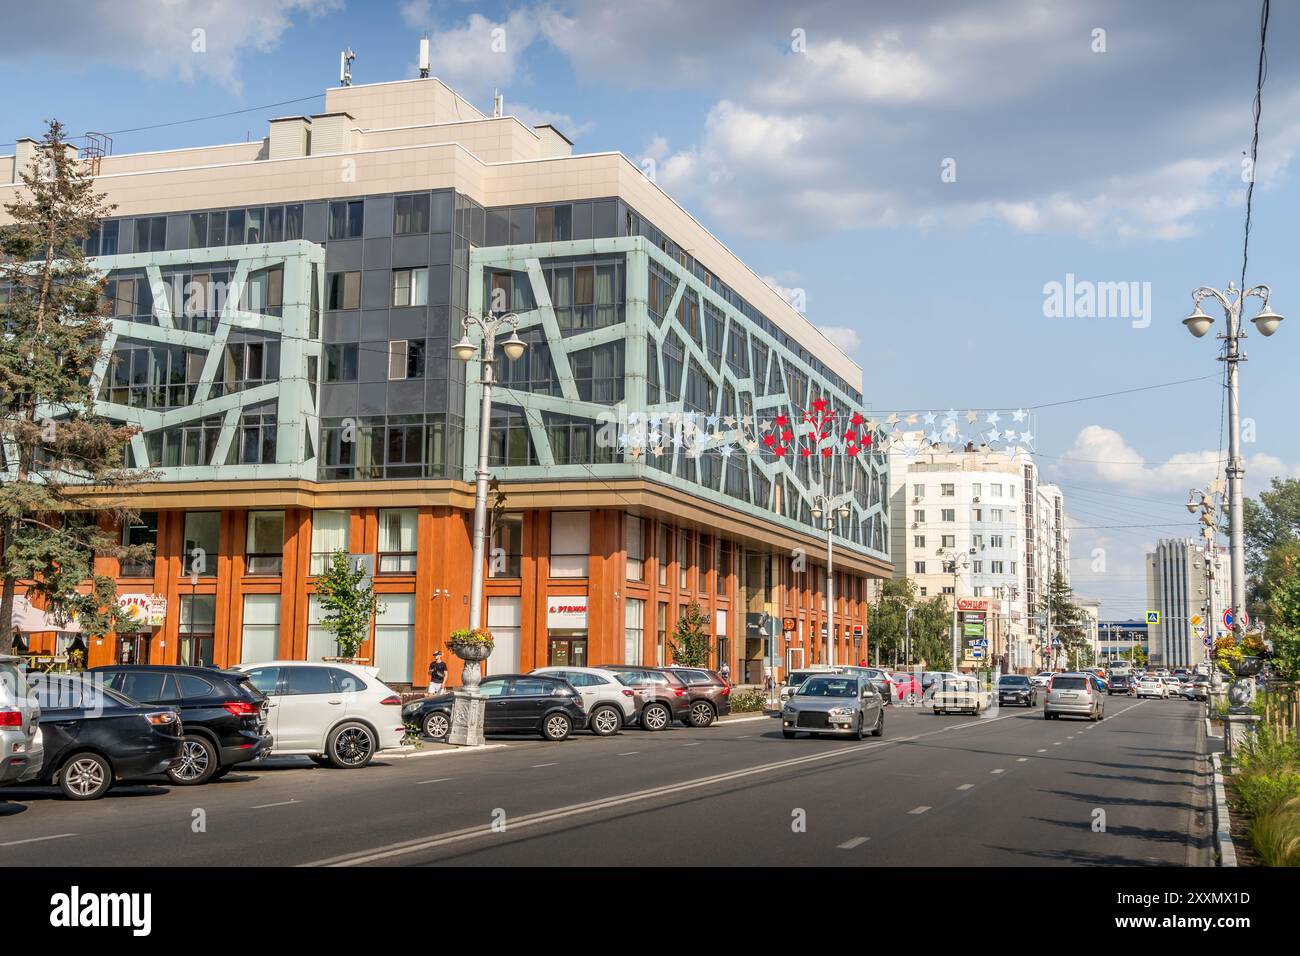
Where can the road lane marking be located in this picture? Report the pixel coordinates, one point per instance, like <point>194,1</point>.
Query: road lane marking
<point>997,771</point>
<point>539,765</point>
<point>1042,750</point>
<point>692,744</point>
<point>282,803</point>
<point>1021,759</point>
<point>630,753</point>
<point>918,810</point>
<point>855,842</point>
<point>55,836</point>
<point>1056,743</point>
<point>420,844</point>
<point>439,780</point>
<point>966,786</point>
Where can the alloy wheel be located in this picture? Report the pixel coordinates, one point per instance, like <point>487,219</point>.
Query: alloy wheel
<point>353,746</point>
<point>606,721</point>
<point>701,714</point>
<point>654,717</point>
<point>84,776</point>
<point>194,761</point>
<point>436,725</point>
<point>557,727</point>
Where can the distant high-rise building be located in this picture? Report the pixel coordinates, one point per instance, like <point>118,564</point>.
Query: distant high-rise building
<point>1183,585</point>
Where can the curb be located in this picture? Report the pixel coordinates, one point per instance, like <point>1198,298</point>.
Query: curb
<point>406,753</point>
<point>1222,823</point>
<point>740,720</point>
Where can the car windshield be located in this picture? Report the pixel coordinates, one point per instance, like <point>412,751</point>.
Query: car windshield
<point>829,687</point>
<point>1069,683</point>
<point>1013,679</point>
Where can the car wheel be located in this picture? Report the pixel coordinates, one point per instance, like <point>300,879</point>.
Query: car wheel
<point>937,711</point>
<point>862,731</point>
<point>351,746</point>
<point>605,721</point>
<point>556,727</point>
<point>198,762</point>
<point>879,729</point>
<point>437,725</point>
<point>656,717</point>
<point>702,713</point>
<point>85,776</point>
<point>788,734</point>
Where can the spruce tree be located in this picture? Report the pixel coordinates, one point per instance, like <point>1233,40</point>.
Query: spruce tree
<point>57,457</point>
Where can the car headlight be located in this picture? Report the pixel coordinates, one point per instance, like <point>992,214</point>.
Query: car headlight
<point>842,712</point>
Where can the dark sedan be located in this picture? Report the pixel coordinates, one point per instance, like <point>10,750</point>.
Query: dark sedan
<point>709,693</point>
<point>1121,684</point>
<point>516,703</point>
<point>223,715</point>
<point>1015,690</point>
<point>94,736</point>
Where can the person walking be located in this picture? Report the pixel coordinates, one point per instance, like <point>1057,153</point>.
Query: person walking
<point>437,673</point>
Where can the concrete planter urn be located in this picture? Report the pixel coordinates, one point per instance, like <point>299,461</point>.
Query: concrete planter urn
<point>472,647</point>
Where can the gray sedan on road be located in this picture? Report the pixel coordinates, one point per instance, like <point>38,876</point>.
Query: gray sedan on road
<point>834,704</point>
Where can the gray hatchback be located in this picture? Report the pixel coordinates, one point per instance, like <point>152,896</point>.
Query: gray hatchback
<point>834,704</point>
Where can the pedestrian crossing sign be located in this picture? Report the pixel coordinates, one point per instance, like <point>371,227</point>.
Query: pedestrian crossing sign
<point>1153,617</point>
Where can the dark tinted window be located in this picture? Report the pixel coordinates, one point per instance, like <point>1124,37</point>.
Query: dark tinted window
<point>265,679</point>
<point>194,688</point>
<point>1069,683</point>
<point>75,693</point>
<point>346,682</point>
<point>493,688</point>
<point>310,680</point>
<point>530,687</point>
<point>144,686</point>
<point>696,678</point>
<point>1013,679</point>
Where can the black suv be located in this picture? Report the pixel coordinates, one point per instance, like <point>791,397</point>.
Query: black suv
<point>223,716</point>
<point>664,697</point>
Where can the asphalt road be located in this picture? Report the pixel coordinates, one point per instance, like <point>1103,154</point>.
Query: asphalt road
<point>1009,788</point>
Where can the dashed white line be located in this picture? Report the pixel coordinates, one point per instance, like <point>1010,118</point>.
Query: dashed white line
<point>918,810</point>
<point>439,780</point>
<point>1021,759</point>
<point>694,743</point>
<point>282,803</point>
<point>1056,743</point>
<point>855,842</point>
<point>539,765</point>
<point>1042,750</point>
<point>966,786</point>
<point>54,836</point>
<point>629,753</point>
<point>997,771</point>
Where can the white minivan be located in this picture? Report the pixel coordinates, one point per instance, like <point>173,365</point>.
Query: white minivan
<point>336,714</point>
<point>21,748</point>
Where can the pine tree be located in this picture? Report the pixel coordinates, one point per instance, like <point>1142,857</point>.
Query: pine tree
<point>53,448</point>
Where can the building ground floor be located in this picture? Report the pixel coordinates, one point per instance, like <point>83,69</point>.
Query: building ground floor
<point>575,576</point>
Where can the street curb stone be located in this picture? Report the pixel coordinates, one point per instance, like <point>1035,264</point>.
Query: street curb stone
<point>1222,823</point>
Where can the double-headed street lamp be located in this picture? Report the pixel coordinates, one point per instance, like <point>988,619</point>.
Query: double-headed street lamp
<point>1198,323</point>
<point>956,561</point>
<point>1207,503</point>
<point>465,350</point>
<point>830,506</point>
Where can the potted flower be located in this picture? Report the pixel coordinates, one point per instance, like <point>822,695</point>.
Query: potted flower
<point>473,647</point>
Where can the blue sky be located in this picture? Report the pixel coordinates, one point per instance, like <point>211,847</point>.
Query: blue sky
<point>813,144</point>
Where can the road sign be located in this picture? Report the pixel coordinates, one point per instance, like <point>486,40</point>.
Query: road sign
<point>1196,620</point>
<point>1153,617</point>
<point>1208,642</point>
<point>1228,619</point>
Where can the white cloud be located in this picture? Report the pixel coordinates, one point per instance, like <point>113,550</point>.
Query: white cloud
<point>565,123</point>
<point>181,40</point>
<point>845,339</point>
<point>480,53</point>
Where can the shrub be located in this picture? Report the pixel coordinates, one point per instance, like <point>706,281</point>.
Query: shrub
<point>748,701</point>
<point>1276,834</point>
<point>1263,794</point>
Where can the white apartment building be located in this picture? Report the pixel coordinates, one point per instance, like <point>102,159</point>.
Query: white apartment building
<point>1184,584</point>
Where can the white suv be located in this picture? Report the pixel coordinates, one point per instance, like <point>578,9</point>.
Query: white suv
<point>21,748</point>
<point>610,704</point>
<point>339,714</point>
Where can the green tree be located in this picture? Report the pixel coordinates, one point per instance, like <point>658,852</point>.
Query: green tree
<point>690,641</point>
<point>349,603</point>
<point>1279,594</point>
<point>1068,621</point>
<point>1135,655</point>
<point>60,458</point>
<point>930,629</point>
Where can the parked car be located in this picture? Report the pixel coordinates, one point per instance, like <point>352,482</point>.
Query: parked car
<point>1073,694</point>
<point>663,697</point>
<point>94,736</point>
<point>223,716</point>
<point>1198,688</point>
<point>1151,687</point>
<point>516,703</point>
<point>907,688</point>
<point>930,678</point>
<point>957,692</point>
<point>882,679</point>
<point>610,703</point>
<point>1041,678</point>
<point>336,714</point>
<point>796,677</point>
<point>21,739</point>
<point>831,703</point>
<point>1121,684</point>
<point>709,692</point>
<point>1016,690</point>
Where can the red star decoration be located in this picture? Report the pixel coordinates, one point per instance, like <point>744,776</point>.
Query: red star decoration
<point>787,435</point>
<point>781,420</point>
<point>819,404</point>
<point>805,452</point>
<point>779,451</point>
<point>769,440</point>
<point>826,453</point>
<point>856,419</point>
<point>851,450</point>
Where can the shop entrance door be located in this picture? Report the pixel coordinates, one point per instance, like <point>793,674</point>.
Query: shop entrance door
<point>567,650</point>
<point>133,648</point>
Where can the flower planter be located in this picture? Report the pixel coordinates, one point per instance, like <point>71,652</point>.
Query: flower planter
<point>473,655</point>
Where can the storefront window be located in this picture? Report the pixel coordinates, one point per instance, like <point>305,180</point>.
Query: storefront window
<point>633,631</point>
<point>320,642</point>
<point>395,638</point>
<point>261,637</point>
<point>635,549</point>
<point>142,531</point>
<point>265,546</point>
<point>202,543</point>
<point>198,624</point>
<point>570,543</point>
<point>507,554</point>
<point>397,536</point>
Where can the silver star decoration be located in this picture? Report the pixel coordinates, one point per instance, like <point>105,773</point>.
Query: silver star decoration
<point>928,418</point>
<point>1018,415</point>
<point>892,419</point>
<point>748,421</point>
<point>935,438</point>
<point>751,445</point>
<point>993,436</point>
<point>1027,437</point>
<point>730,421</point>
<point>767,426</point>
<point>655,420</point>
<point>993,418</point>
<point>950,415</point>
<point>972,418</point>
<point>911,419</point>
<point>726,451</point>
<point>712,421</point>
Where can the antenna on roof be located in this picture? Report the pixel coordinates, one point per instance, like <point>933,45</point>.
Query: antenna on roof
<point>498,103</point>
<point>345,66</point>
<point>424,57</point>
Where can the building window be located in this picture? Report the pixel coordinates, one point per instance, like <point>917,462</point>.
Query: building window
<point>320,642</point>
<point>995,541</point>
<point>343,290</point>
<point>977,567</point>
<point>198,624</point>
<point>661,635</point>
<point>265,545</point>
<point>923,592</point>
<point>977,489</point>
<point>633,631</point>
<point>507,557</point>
<point>683,558</point>
<point>918,567</point>
<point>261,637</point>
<point>397,540</point>
<point>948,514</point>
<point>346,218</point>
<point>202,543</point>
<point>979,591</point>
<point>918,491</point>
<point>996,490</point>
<point>995,514</point>
<point>918,541</point>
<point>635,549</point>
<point>703,562</point>
<point>947,491</point>
<point>977,514</point>
<point>394,647</point>
<point>255,441</point>
<point>570,543</point>
<point>410,287</point>
<point>723,567</point>
<point>663,555</point>
<point>329,533</point>
<point>341,362</point>
<point>918,516</point>
<point>142,531</point>
<point>949,589</point>
<point>977,541</point>
<point>405,359</point>
<point>996,567</point>
<point>949,541</point>
<point>411,214</point>
<point>151,234</point>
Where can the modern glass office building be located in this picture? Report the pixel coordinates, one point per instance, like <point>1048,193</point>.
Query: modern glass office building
<point>283,314</point>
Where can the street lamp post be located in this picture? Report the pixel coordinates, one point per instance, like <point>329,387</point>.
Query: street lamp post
<point>1198,323</point>
<point>957,561</point>
<point>1207,502</point>
<point>830,506</point>
<point>468,706</point>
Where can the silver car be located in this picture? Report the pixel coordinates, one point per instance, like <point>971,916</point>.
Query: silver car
<point>834,704</point>
<point>21,748</point>
<point>1075,695</point>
